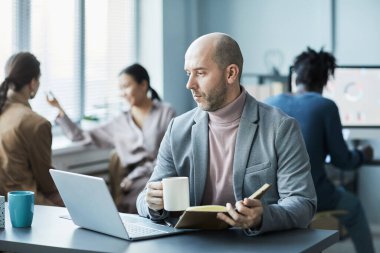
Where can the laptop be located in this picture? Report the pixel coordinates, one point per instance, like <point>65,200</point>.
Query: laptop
<point>91,206</point>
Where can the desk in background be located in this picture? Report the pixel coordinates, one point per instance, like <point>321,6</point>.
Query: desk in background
<point>49,233</point>
<point>80,157</point>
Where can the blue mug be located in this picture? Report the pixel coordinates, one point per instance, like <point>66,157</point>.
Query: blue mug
<point>21,208</point>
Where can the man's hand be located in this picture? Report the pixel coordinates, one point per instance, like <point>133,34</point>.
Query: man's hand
<point>154,196</point>
<point>248,214</point>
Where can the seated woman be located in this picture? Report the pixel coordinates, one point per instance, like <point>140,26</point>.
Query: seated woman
<point>135,134</point>
<point>25,136</point>
<point>322,130</point>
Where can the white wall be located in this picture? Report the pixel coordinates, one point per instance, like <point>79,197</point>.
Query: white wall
<point>358,33</point>
<point>150,32</point>
<point>270,32</point>
<point>180,28</point>
<point>274,31</point>
<point>166,28</point>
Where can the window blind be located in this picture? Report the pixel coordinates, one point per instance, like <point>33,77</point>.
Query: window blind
<point>110,46</point>
<point>49,29</point>
<point>6,30</point>
<point>53,42</point>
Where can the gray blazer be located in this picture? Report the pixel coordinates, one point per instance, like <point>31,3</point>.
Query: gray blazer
<point>269,149</point>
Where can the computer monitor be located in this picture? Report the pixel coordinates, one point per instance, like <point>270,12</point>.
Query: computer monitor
<point>356,91</point>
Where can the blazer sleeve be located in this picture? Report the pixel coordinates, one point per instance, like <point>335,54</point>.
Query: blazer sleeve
<point>298,202</point>
<point>144,169</point>
<point>101,136</point>
<point>40,161</point>
<point>341,156</point>
<point>69,128</point>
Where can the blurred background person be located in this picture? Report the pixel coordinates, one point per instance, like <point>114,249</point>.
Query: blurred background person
<point>135,134</point>
<point>322,131</point>
<point>25,136</point>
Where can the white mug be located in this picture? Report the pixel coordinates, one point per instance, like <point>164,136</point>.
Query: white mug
<point>2,211</point>
<point>176,193</point>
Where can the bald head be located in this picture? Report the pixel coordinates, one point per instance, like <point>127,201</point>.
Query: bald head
<point>224,49</point>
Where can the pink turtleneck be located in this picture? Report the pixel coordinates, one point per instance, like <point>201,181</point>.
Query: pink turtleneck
<point>223,126</point>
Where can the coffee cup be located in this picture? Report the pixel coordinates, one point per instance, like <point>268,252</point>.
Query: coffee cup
<point>21,208</point>
<point>176,193</point>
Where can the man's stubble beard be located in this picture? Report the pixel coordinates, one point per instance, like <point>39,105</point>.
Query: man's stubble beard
<point>216,99</point>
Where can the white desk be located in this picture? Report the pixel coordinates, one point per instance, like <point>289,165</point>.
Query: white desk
<point>80,157</point>
<point>49,233</point>
<point>62,145</point>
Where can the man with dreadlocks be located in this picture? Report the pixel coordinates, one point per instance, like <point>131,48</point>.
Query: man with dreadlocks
<point>322,130</point>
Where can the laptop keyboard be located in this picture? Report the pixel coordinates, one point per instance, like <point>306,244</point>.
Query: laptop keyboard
<point>137,229</point>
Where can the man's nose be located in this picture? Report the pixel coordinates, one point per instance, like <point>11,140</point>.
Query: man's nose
<point>191,84</point>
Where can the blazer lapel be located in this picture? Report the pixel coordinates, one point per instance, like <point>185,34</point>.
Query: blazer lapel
<point>244,143</point>
<point>200,143</point>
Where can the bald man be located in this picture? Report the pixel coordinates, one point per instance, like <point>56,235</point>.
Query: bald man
<point>231,145</point>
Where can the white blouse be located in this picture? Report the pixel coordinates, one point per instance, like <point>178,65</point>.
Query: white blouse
<point>135,147</point>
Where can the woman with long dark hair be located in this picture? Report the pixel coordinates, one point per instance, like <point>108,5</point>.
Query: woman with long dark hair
<point>135,134</point>
<point>25,136</point>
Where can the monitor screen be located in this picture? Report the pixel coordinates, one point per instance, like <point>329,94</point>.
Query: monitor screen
<point>356,91</point>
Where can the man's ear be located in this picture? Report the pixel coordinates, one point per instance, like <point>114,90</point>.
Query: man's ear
<point>232,73</point>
